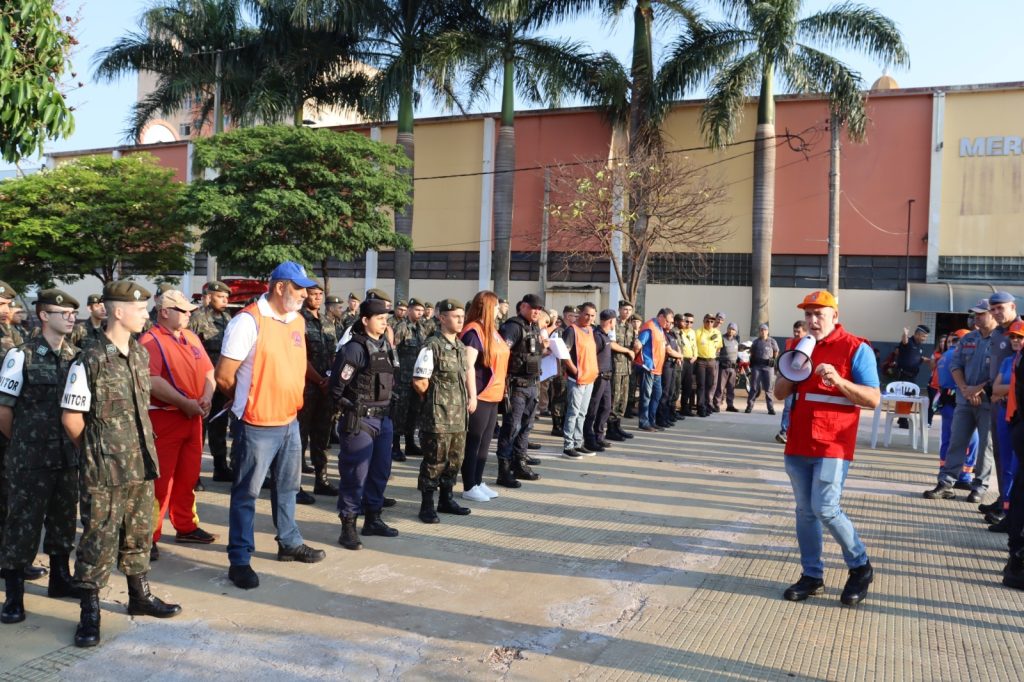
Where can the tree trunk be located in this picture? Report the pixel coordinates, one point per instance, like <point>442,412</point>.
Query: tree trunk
<point>403,219</point>
<point>327,278</point>
<point>764,206</point>
<point>504,185</point>
<point>642,76</point>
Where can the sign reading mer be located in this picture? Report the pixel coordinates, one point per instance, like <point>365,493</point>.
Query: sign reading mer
<point>995,145</point>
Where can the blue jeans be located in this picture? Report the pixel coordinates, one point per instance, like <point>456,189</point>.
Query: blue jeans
<point>577,401</point>
<point>266,448</point>
<point>817,486</point>
<point>786,409</point>
<point>650,398</point>
<point>364,463</point>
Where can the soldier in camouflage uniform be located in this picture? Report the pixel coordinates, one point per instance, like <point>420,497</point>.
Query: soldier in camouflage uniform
<point>622,367</point>
<point>410,335</point>
<point>91,329</point>
<point>440,378</point>
<point>352,314</point>
<point>557,386</point>
<point>429,321</point>
<point>208,324</point>
<point>317,414</point>
<point>42,466</point>
<point>10,337</point>
<point>105,403</point>
<point>335,314</point>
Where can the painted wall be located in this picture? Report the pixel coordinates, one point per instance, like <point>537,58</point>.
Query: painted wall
<point>171,155</point>
<point>983,196</point>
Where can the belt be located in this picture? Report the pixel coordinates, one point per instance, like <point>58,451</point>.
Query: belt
<point>521,382</point>
<point>374,411</point>
<point>707,359</point>
<point>832,399</point>
<point>605,375</point>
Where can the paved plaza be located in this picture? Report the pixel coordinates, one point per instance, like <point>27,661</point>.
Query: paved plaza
<point>664,558</point>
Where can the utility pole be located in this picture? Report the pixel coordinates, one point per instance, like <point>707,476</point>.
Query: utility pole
<point>544,234</point>
<point>833,207</point>
<point>218,75</point>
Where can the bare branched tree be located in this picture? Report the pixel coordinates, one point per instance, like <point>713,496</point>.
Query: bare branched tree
<point>590,213</point>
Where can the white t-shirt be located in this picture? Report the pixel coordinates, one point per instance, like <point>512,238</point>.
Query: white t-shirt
<point>240,344</point>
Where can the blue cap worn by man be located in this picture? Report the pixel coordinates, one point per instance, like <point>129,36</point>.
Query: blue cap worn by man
<point>294,273</point>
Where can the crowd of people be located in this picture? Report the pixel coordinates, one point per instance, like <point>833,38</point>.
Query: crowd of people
<point>105,420</point>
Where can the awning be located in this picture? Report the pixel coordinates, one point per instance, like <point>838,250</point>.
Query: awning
<point>946,297</point>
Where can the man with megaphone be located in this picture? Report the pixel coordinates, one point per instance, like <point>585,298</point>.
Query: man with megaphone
<point>831,374</point>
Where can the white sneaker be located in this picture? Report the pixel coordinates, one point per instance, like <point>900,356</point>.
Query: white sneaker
<point>475,494</point>
<point>483,487</point>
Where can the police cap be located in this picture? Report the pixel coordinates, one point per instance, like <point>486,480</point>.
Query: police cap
<point>125,290</point>
<point>94,299</point>
<point>448,305</point>
<point>534,301</point>
<point>7,291</point>
<point>374,306</point>
<point>56,297</point>
<point>215,286</point>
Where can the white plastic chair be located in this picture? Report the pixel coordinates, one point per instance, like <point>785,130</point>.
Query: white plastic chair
<point>909,389</point>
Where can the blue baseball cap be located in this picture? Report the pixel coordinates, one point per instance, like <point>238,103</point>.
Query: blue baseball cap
<point>1000,297</point>
<point>294,273</point>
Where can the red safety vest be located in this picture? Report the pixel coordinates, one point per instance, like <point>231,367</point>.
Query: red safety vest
<point>824,422</point>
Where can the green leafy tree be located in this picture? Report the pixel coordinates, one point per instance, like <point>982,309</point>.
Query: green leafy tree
<point>500,41</point>
<point>35,42</point>
<point>95,216</point>
<point>767,41</point>
<point>300,194</point>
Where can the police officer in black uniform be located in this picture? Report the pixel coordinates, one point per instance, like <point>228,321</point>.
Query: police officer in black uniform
<point>361,384</point>
<point>523,337</point>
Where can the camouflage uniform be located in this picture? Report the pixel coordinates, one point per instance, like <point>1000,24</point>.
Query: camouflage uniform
<point>209,325</point>
<point>443,419</point>
<point>9,338</point>
<point>42,466</point>
<point>118,460</point>
<point>317,414</point>
<point>409,339</point>
<point>84,332</point>
<point>347,320</point>
<point>622,367</point>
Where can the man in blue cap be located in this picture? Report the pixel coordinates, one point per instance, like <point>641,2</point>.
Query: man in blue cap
<point>261,365</point>
<point>1003,309</point>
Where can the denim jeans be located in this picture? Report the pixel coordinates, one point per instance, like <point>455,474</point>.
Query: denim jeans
<point>267,448</point>
<point>786,409</point>
<point>577,401</point>
<point>817,486</point>
<point>650,398</point>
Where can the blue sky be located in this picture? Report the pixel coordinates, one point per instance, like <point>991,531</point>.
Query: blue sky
<point>951,42</point>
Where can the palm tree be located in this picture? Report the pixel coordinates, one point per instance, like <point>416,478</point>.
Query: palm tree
<point>762,41</point>
<point>499,41</point>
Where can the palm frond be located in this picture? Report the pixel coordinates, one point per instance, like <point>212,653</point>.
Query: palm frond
<point>729,92</point>
<point>856,27</point>
<point>823,73</point>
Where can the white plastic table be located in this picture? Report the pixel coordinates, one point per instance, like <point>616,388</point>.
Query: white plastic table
<point>921,400</point>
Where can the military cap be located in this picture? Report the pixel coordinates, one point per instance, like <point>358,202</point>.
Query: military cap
<point>7,291</point>
<point>448,305</point>
<point>623,303</point>
<point>215,286</point>
<point>570,309</point>
<point>636,318</point>
<point>501,300</point>
<point>316,285</point>
<point>331,300</point>
<point>353,295</point>
<point>125,290</point>
<point>375,293</point>
<point>414,302</point>
<point>428,304</point>
<point>56,297</point>
<point>164,288</point>
<point>374,306</point>
<point>16,305</point>
<point>402,304</point>
<point>94,299</point>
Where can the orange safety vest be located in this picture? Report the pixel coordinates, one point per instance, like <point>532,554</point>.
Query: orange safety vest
<point>658,344</point>
<point>278,370</point>
<point>586,355</point>
<point>824,422</point>
<point>494,392</point>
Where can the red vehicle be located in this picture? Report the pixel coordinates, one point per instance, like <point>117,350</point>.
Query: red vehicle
<point>243,290</point>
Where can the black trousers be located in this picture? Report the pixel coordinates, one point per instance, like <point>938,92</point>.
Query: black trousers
<point>1015,519</point>
<point>478,442</point>
<point>707,382</point>
<point>598,412</point>
<point>687,397</point>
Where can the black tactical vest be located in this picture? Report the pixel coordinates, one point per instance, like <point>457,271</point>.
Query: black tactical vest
<point>375,382</point>
<point>524,361</point>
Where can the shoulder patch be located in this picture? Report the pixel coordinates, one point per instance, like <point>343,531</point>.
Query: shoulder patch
<point>12,375</point>
<point>347,371</point>
<point>76,397</point>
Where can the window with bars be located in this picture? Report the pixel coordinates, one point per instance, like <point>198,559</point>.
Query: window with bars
<point>985,268</point>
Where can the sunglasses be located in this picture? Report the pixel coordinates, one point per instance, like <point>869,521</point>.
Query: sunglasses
<point>179,310</point>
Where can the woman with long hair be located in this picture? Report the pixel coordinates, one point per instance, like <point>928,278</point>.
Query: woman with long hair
<point>486,369</point>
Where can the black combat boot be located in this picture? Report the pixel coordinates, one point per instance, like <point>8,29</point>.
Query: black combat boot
<point>34,572</point>
<point>373,524</point>
<point>396,449</point>
<point>306,468</point>
<point>557,427</point>
<point>411,449</point>
<point>221,471</point>
<point>349,538</point>
<point>505,476</point>
<point>60,578</point>
<point>427,512</point>
<point>14,603</point>
<point>88,631</point>
<point>447,504</point>
<point>621,431</point>
<point>523,471</point>
<point>323,486</point>
<point>142,603</point>
<point>612,432</point>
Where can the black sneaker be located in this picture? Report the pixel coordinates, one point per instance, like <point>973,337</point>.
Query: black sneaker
<point>856,589</point>
<point>748,409</point>
<point>992,518</point>
<point>975,496</point>
<point>302,497</point>
<point>571,454</point>
<point>303,553</point>
<point>804,588</point>
<point>942,491</point>
<point>731,408</point>
<point>780,437</point>
<point>533,446</point>
<point>197,536</point>
<point>771,411</point>
<point>989,508</point>
<point>1001,526</point>
<point>584,450</point>
<point>154,553</point>
<point>962,485</point>
<point>244,577</point>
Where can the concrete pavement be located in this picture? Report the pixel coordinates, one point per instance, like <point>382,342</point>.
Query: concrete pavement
<point>664,558</point>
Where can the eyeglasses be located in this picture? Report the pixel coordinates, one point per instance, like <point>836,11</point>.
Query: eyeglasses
<point>66,314</point>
